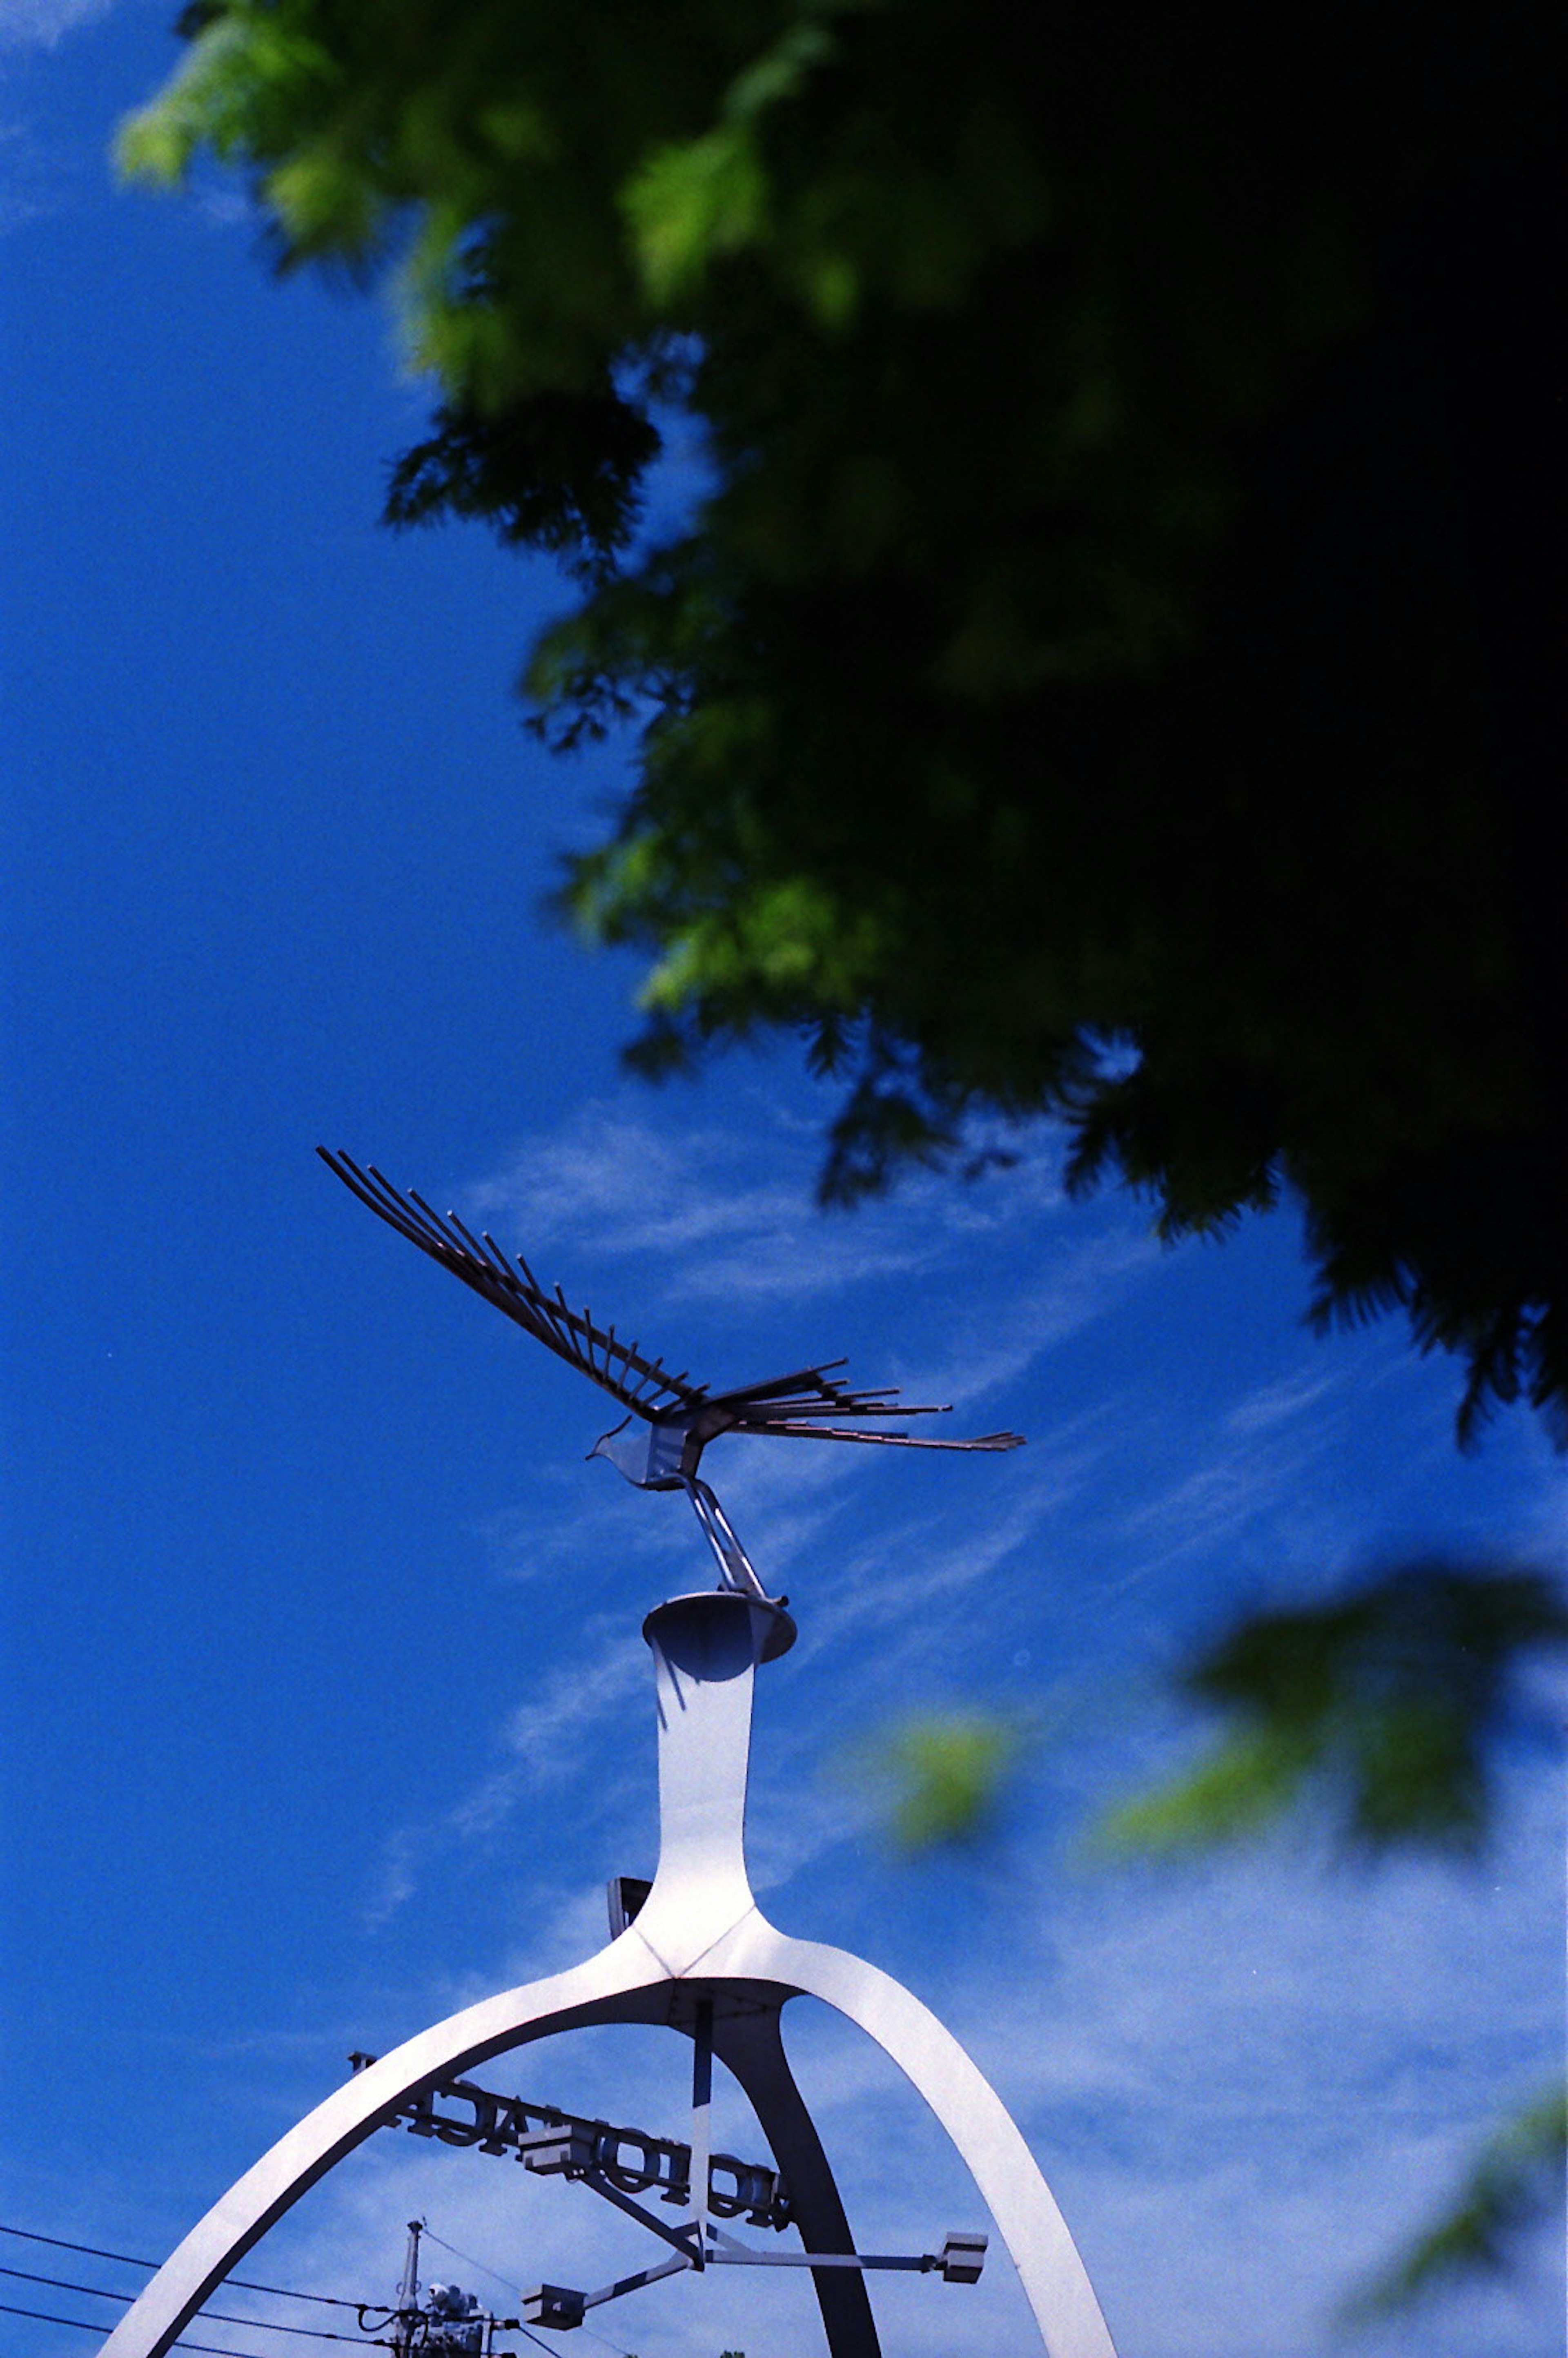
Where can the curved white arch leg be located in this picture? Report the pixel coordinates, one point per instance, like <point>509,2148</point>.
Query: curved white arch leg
<point>1055,2282</point>
<point>622,1984</point>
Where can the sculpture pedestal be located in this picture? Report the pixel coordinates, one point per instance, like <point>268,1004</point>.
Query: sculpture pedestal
<point>700,1939</point>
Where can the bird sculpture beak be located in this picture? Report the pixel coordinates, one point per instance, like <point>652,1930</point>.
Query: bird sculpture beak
<point>627,1451</point>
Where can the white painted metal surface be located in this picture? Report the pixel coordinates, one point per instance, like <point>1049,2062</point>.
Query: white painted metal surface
<point>699,1938</point>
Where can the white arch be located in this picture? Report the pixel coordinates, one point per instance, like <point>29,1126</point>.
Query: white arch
<point>700,1930</point>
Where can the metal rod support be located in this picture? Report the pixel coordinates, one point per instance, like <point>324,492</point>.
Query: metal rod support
<point>702,2125</point>
<point>680,2237</point>
<point>736,1570</point>
<point>635,2283</point>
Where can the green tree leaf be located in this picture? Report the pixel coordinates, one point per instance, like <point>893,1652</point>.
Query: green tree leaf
<point>1516,2179</point>
<point>1387,1705</point>
<point>942,1774</point>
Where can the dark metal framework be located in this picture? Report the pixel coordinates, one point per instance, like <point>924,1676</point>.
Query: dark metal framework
<point>618,2164</point>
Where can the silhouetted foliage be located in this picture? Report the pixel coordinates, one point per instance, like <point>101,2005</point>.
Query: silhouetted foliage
<point>1390,1704</point>
<point>1516,2179</point>
<point>1115,673</point>
<point>1127,612</point>
<point>558,472</point>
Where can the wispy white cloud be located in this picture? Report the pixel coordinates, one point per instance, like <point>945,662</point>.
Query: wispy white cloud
<point>396,1880</point>
<point>1246,2082</point>
<point>44,23</point>
<point>727,1217</point>
<point>581,1517</point>
<point>33,182</point>
<point>1216,2064</point>
<point>627,1185</point>
<point>734,1218</point>
<point>730,1211</point>
<point>1255,1483</point>
<point>541,1749</point>
<point>546,1735</point>
<point>720,1223</point>
<point>1284,1401</point>
<point>1079,1280</point>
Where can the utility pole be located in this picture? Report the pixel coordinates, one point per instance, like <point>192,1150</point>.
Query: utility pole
<point>409,2290</point>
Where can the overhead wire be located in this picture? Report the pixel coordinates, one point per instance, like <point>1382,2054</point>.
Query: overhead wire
<point>217,2316</point>
<point>485,2269</point>
<point>241,2284</point>
<point>469,2261</point>
<point>47,2316</point>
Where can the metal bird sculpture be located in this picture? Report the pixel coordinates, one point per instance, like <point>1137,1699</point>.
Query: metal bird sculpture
<point>659,1444</point>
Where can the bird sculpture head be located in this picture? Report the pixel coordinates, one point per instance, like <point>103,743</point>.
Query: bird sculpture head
<point>650,1455</point>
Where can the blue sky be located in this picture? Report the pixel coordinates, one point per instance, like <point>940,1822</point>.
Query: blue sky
<point>327,1705</point>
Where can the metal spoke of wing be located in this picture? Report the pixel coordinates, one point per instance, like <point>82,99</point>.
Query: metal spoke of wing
<point>813,1391</point>
<point>895,1440</point>
<point>783,1412</point>
<point>811,1383</point>
<point>643,1385</point>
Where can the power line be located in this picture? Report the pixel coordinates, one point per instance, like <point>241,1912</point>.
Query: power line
<point>607,2342</point>
<point>533,2338</point>
<point>47,2316</point>
<point>241,2284</point>
<point>469,2261</point>
<point>217,2316</point>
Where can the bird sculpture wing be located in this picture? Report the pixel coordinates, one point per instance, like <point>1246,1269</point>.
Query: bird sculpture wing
<point>798,1404</point>
<point>645,1386</point>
